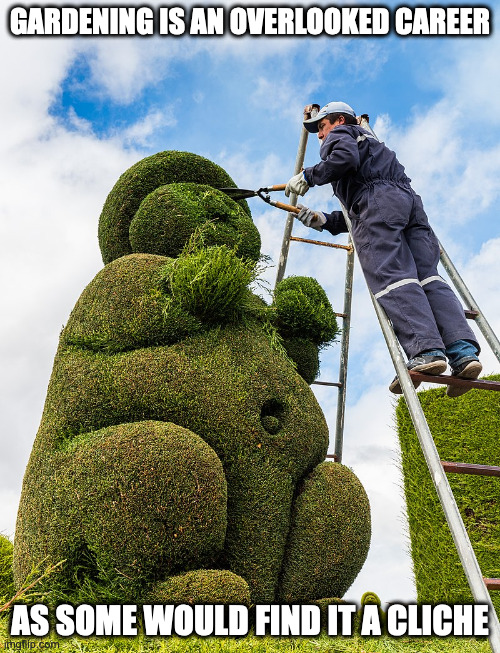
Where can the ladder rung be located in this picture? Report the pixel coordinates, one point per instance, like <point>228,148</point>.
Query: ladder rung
<point>320,242</point>
<point>340,314</point>
<point>471,315</point>
<point>337,385</point>
<point>470,468</point>
<point>332,455</point>
<point>492,583</point>
<point>443,379</point>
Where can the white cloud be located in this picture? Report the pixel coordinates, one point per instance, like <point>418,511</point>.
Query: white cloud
<point>142,132</point>
<point>53,185</point>
<point>121,70</point>
<point>29,85</point>
<point>449,149</point>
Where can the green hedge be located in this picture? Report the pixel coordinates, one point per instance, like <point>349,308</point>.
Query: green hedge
<point>306,356</point>
<point>202,587</point>
<point>303,310</point>
<point>7,588</point>
<point>95,488</point>
<point>220,385</point>
<point>169,215</point>
<point>330,535</point>
<point>465,429</point>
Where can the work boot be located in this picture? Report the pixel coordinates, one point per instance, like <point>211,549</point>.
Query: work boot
<point>468,367</point>
<point>426,364</point>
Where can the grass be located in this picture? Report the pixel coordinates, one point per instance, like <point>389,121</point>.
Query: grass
<point>323,643</point>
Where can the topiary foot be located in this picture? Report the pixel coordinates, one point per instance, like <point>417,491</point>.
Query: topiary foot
<point>202,586</point>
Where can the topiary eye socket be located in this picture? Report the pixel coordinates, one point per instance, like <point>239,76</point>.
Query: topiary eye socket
<point>271,415</point>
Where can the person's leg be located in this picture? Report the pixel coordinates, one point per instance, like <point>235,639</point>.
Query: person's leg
<point>448,312</point>
<point>378,226</point>
<point>391,275</point>
<point>464,362</point>
<point>461,346</point>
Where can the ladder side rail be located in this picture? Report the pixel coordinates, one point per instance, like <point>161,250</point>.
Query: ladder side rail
<point>456,525</point>
<point>344,354</point>
<point>470,302</point>
<point>285,245</point>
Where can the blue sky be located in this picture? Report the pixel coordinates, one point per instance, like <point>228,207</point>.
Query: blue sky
<point>76,113</point>
<point>192,85</point>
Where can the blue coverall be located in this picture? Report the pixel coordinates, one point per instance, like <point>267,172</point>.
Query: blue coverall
<point>396,246</point>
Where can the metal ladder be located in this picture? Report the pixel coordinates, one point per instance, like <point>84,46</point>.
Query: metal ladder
<point>341,384</point>
<point>438,468</point>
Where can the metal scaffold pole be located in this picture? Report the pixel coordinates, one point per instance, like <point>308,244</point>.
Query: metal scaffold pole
<point>470,302</point>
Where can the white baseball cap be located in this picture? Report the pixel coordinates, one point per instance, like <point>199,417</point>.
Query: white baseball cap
<point>332,107</point>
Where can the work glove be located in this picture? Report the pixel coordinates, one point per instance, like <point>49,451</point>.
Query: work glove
<point>297,184</point>
<point>310,218</point>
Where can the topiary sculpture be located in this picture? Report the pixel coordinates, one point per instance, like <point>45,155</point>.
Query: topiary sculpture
<point>180,454</point>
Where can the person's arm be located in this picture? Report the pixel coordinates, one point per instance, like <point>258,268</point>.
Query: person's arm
<point>340,156</point>
<point>333,222</point>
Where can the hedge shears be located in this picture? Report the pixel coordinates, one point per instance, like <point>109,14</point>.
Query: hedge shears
<point>263,193</point>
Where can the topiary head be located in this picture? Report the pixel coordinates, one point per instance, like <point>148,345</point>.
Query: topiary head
<point>157,204</point>
<point>167,218</point>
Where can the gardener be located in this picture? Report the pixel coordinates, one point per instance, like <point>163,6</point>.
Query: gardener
<point>396,246</point>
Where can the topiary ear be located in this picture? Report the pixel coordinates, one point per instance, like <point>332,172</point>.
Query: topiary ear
<point>302,310</point>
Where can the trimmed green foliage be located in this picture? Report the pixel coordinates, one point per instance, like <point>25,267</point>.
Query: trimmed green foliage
<point>304,311</point>
<point>169,215</point>
<point>7,588</point>
<point>306,356</point>
<point>210,283</point>
<point>325,559</point>
<point>216,384</point>
<point>370,598</point>
<point>202,586</point>
<point>465,429</point>
<point>139,181</point>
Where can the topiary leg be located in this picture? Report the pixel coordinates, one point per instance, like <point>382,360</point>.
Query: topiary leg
<point>135,502</point>
<point>329,536</point>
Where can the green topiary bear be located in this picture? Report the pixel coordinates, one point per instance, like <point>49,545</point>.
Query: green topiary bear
<point>180,454</point>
